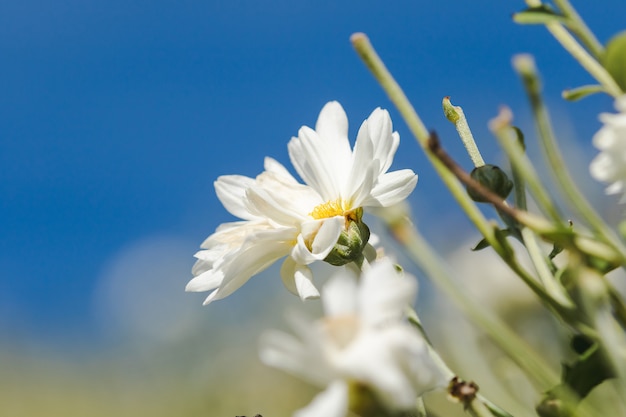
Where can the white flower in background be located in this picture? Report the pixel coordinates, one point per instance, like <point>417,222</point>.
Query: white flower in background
<point>362,346</point>
<point>306,223</point>
<point>610,165</point>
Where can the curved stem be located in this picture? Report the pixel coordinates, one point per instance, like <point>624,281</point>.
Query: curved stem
<point>580,28</point>
<point>525,66</point>
<point>517,348</point>
<point>371,59</point>
<point>593,67</point>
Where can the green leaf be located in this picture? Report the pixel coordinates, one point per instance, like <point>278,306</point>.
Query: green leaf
<point>588,371</point>
<point>575,94</point>
<point>485,244</point>
<point>481,245</point>
<point>614,59</point>
<point>540,15</point>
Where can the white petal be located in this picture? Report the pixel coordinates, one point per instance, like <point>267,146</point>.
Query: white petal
<point>385,293</point>
<point>304,283</point>
<point>247,262</point>
<point>392,188</point>
<point>231,191</point>
<point>298,279</point>
<point>273,166</point>
<point>301,355</point>
<point>332,124</point>
<point>385,142</point>
<point>288,274</point>
<point>326,232</point>
<point>312,161</point>
<point>340,294</point>
<point>206,281</point>
<point>265,205</point>
<point>389,361</point>
<point>330,403</point>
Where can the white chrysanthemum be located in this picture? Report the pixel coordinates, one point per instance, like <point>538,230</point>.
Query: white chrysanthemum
<point>610,165</point>
<point>363,341</point>
<point>281,217</point>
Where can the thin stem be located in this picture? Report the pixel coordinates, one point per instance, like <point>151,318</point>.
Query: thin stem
<point>569,43</point>
<point>518,180</point>
<point>371,59</point>
<point>525,66</point>
<point>502,129</point>
<point>553,288</point>
<point>517,348</point>
<point>456,115</point>
<point>478,409</point>
<point>580,28</point>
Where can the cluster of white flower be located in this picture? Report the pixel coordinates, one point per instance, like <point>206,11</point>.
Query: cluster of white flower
<point>610,165</point>
<point>281,217</point>
<point>364,347</point>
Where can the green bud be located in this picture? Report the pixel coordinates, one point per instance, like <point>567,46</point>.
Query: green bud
<point>351,242</point>
<point>492,178</point>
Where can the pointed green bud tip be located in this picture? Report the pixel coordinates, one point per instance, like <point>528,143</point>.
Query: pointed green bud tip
<point>351,242</point>
<point>449,110</point>
<point>492,178</point>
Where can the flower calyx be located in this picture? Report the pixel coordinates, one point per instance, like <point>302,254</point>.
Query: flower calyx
<point>351,241</point>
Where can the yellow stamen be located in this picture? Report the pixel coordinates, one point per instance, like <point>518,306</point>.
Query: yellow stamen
<point>330,209</point>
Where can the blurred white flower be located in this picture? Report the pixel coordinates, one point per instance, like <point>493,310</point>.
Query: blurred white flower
<point>610,165</point>
<point>362,345</point>
<point>282,217</point>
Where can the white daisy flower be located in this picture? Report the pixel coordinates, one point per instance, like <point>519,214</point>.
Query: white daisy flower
<point>362,351</point>
<point>306,223</point>
<point>610,165</point>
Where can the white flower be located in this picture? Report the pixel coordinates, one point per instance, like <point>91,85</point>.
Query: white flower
<point>610,165</point>
<point>281,217</point>
<point>363,341</point>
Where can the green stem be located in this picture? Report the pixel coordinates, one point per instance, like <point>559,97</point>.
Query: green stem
<point>502,129</point>
<point>593,67</point>
<point>456,115</point>
<point>580,28</point>
<point>525,66</point>
<point>517,348</point>
<point>553,288</point>
<point>518,180</point>
<point>371,59</point>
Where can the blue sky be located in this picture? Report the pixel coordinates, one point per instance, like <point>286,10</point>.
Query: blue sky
<point>116,117</point>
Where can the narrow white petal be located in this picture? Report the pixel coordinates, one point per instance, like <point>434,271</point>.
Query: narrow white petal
<point>392,188</point>
<point>283,351</point>
<point>330,403</point>
<point>325,232</point>
<point>386,360</point>
<point>340,294</point>
<point>288,274</point>
<point>332,124</point>
<point>231,191</point>
<point>303,278</point>
<point>361,193</point>
<point>273,166</point>
<point>206,281</point>
<point>247,262</point>
<point>313,162</point>
<point>385,142</point>
<point>385,293</point>
<point>327,236</point>
<point>265,205</point>
<point>298,279</point>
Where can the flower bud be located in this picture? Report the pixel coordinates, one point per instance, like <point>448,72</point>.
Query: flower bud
<point>492,178</point>
<point>351,241</point>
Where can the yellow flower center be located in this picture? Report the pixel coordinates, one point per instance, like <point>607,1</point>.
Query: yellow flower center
<point>330,209</point>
